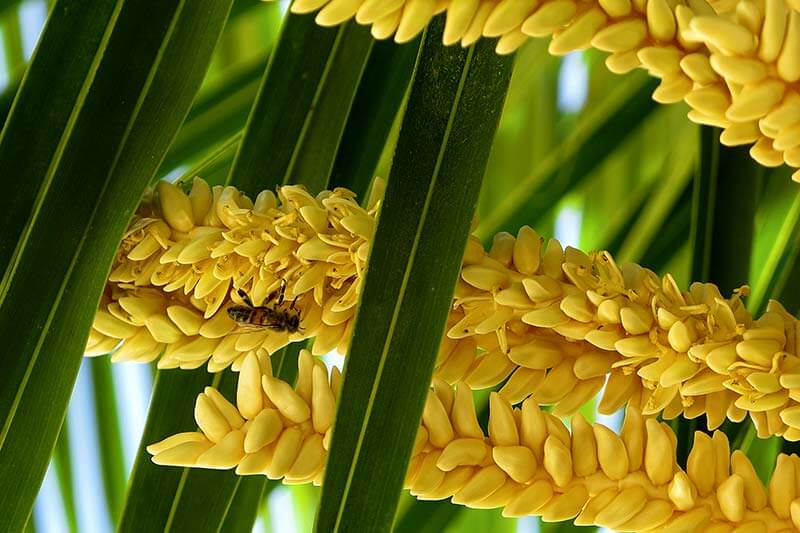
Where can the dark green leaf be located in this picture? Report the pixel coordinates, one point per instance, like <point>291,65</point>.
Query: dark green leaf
<point>284,102</point>
<point>101,141</point>
<point>244,507</point>
<point>725,195</point>
<point>378,101</point>
<point>444,143</point>
<point>324,127</point>
<point>172,406</point>
<point>59,51</point>
<point>310,144</point>
<point>672,235</point>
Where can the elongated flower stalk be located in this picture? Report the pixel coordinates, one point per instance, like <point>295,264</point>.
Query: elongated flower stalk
<point>551,323</point>
<point>529,464</point>
<point>736,63</point>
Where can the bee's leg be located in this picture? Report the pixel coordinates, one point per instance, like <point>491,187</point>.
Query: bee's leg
<point>279,293</point>
<point>245,298</point>
<point>282,292</point>
<point>293,307</point>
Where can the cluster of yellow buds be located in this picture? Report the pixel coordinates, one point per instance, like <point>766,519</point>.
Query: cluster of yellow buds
<point>273,430</point>
<point>736,63</point>
<point>529,464</point>
<point>185,257</point>
<point>561,322</point>
<point>557,323</point>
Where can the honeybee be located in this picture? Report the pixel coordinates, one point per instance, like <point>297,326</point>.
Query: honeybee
<point>277,317</point>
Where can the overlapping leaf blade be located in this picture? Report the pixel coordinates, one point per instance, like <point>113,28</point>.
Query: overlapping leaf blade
<point>452,113</point>
<point>378,101</point>
<point>104,140</point>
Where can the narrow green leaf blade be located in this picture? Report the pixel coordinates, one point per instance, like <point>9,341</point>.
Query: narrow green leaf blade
<point>726,190</point>
<point>108,426</point>
<point>209,490</point>
<point>314,156</point>
<point>58,50</point>
<point>308,143</point>
<point>171,393</point>
<point>378,101</point>
<point>444,143</point>
<point>725,195</point>
<point>244,507</point>
<point>112,144</point>
<point>63,468</point>
<point>777,244</point>
<point>283,104</point>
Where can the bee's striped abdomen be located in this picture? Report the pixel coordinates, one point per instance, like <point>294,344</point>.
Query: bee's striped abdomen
<point>260,317</point>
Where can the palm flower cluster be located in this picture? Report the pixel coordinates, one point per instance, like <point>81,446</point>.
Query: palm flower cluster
<point>273,430</point>
<point>186,256</point>
<point>561,323</point>
<point>736,63</point>
<point>551,323</point>
<point>529,464</point>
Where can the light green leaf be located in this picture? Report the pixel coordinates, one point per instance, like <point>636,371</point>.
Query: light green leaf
<point>452,113</point>
<point>218,114</point>
<point>62,463</point>
<point>609,125</point>
<point>777,244</point>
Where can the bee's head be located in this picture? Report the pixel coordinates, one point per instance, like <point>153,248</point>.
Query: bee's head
<point>293,323</point>
<point>239,313</point>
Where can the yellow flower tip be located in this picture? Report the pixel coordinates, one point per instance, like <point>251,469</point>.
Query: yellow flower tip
<point>759,45</point>
<point>176,206</point>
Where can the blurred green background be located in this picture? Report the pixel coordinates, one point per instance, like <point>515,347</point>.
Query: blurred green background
<point>580,154</point>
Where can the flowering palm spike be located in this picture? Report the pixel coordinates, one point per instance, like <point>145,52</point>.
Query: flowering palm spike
<point>549,323</point>
<point>736,63</point>
<point>529,464</point>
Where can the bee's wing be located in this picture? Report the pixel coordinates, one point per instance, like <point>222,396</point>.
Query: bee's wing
<point>248,328</point>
